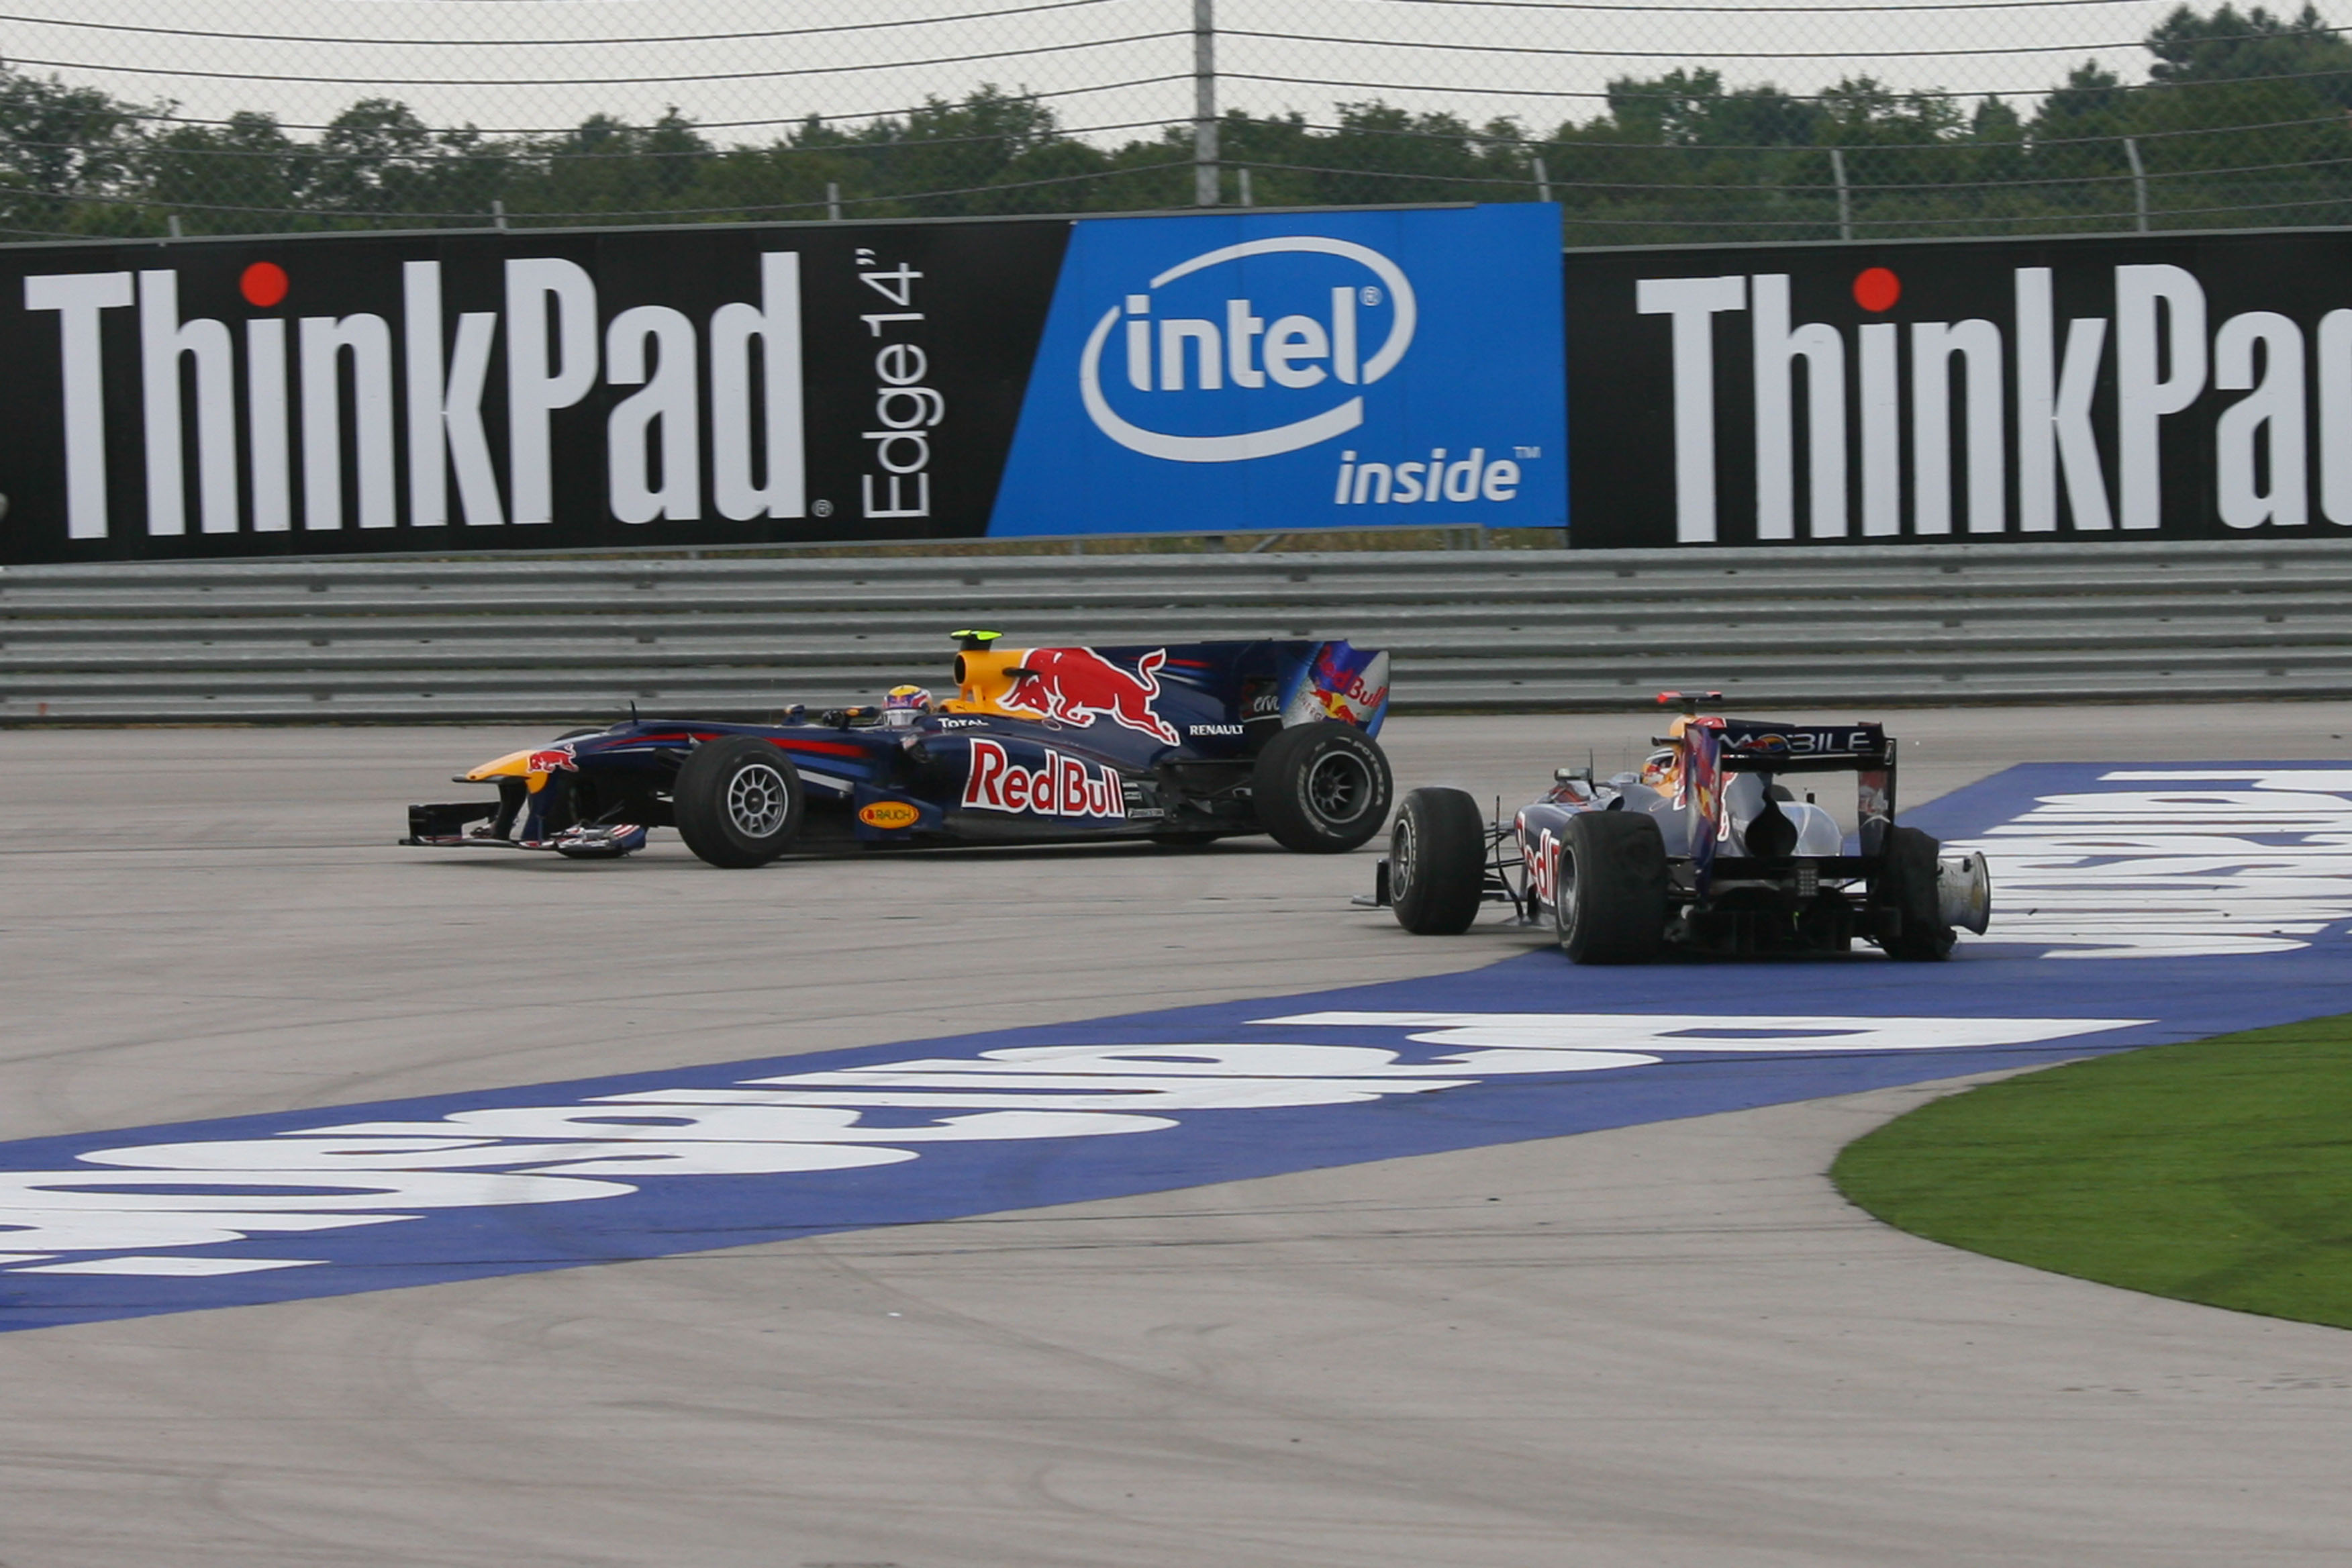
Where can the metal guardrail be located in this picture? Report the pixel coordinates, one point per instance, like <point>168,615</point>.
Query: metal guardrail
<point>370,641</point>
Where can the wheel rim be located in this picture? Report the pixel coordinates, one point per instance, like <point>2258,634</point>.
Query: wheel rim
<point>758,801</point>
<point>1563,896</point>
<point>1401,854</point>
<point>1339,787</point>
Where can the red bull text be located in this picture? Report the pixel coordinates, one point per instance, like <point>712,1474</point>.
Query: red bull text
<point>1063,786</point>
<point>1542,859</point>
<point>1350,687</point>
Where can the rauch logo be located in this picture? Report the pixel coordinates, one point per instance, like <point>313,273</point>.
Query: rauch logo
<point>1167,354</point>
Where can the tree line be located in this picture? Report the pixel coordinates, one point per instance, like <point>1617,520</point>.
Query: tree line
<point>2245,118</point>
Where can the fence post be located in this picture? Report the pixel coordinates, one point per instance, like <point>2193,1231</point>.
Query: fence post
<point>1543,178</point>
<point>833,201</point>
<point>1845,198</point>
<point>497,213</point>
<point>1205,103</point>
<point>2139,181</point>
<point>1242,175</point>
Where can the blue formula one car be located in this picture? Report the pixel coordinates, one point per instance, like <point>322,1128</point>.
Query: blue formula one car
<point>1180,743</point>
<point>1703,850</point>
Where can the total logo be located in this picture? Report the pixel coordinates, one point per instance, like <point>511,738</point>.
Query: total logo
<point>1320,338</point>
<point>1060,787</point>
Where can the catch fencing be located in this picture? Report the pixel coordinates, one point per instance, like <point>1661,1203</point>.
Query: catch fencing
<point>1648,121</point>
<point>562,641</point>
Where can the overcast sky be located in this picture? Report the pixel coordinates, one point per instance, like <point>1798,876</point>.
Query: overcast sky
<point>505,64</point>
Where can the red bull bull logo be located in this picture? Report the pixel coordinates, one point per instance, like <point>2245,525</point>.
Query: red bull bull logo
<point>1061,786</point>
<point>547,762</point>
<point>1077,686</point>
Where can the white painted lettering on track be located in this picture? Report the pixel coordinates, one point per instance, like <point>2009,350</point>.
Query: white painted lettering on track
<point>130,1198</point>
<point>2209,862</point>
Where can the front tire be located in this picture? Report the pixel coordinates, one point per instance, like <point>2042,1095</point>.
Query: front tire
<point>738,802</point>
<point>1905,888</point>
<point>1437,862</point>
<point>1609,903</point>
<point>1321,789</point>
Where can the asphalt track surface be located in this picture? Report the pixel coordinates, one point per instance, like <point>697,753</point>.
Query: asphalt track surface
<point>1662,1344</point>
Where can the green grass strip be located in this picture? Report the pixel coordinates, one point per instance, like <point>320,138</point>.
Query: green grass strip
<point>2218,1172</point>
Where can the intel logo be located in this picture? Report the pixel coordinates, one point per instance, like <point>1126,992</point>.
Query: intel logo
<point>1249,361</point>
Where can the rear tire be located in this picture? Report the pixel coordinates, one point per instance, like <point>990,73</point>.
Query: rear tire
<point>1906,886</point>
<point>1321,789</point>
<point>738,802</point>
<point>1437,862</point>
<point>1610,895</point>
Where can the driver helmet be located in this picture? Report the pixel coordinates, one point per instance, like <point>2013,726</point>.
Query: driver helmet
<point>1661,768</point>
<point>903,706</point>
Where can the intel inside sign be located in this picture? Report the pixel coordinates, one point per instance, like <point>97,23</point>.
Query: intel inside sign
<point>1366,370</point>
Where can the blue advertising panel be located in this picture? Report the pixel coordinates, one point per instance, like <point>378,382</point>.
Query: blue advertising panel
<point>1340,370</point>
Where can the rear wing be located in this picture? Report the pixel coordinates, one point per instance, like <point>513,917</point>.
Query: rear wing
<point>1756,746</point>
<point>1272,684</point>
<point>1333,680</point>
<point>1716,748</point>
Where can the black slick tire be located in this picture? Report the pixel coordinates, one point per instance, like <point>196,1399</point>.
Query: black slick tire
<point>1437,862</point>
<point>1321,789</point>
<point>1609,893</point>
<point>738,802</point>
<point>1905,888</point>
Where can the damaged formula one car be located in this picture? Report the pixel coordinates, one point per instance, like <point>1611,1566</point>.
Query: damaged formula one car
<point>1703,850</point>
<point>1180,743</point>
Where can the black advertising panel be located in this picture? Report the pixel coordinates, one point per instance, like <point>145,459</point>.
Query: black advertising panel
<point>2192,386</point>
<point>514,390</point>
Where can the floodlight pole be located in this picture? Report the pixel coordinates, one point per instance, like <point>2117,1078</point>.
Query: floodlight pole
<point>1205,103</point>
